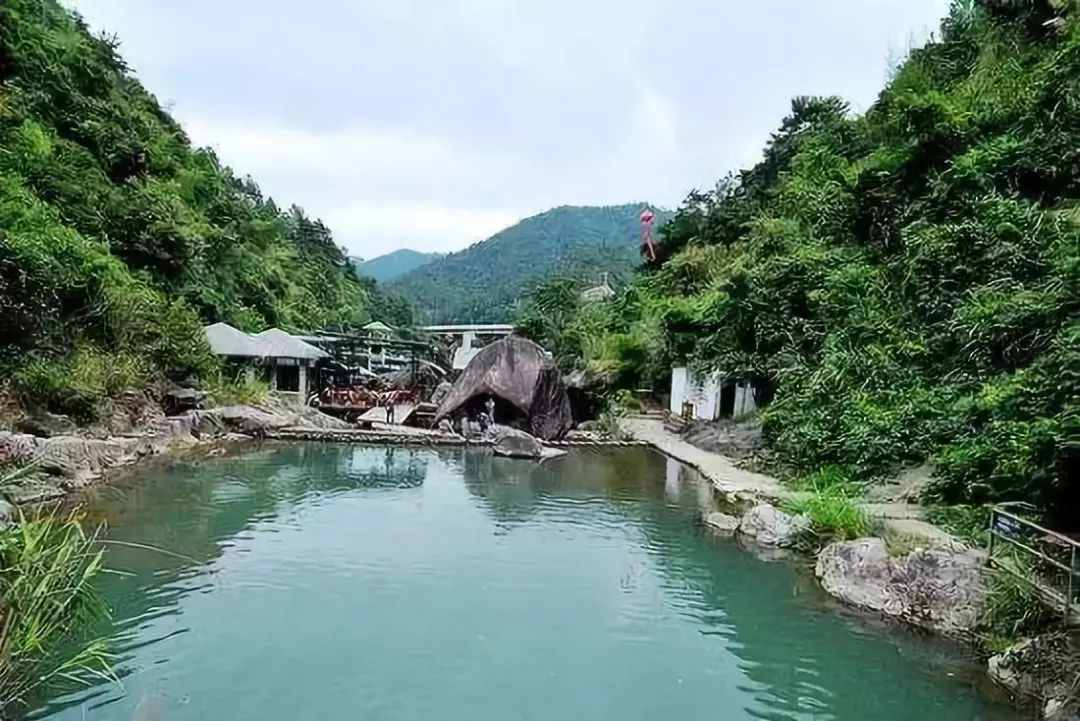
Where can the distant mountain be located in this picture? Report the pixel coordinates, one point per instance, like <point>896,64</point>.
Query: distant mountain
<point>483,283</point>
<point>392,266</point>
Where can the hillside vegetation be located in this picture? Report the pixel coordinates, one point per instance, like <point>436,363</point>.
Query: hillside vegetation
<point>393,265</point>
<point>483,283</point>
<point>903,285</point>
<point>118,240</point>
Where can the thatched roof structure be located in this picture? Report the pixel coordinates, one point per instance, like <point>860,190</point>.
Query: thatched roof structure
<point>521,374</point>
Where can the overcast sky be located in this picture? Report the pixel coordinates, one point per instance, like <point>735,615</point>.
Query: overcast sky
<point>432,124</point>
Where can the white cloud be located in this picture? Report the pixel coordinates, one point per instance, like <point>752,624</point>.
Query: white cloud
<point>377,190</point>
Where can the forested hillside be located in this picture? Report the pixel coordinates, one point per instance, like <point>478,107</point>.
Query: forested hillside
<point>483,283</point>
<point>902,285</point>
<point>118,240</point>
<point>393,265</point>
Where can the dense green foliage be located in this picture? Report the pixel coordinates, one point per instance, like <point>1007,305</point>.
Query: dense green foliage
<point>388,268</point>
<point>902,285</point>
<point>118,239</point>
<point>483,283</point>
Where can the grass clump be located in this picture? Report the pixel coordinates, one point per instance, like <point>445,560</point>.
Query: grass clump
<point>1014,610</point>
<point>47,604</point>
<point>834,512</point>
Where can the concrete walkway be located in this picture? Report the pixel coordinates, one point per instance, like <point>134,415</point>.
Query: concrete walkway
<point>896,520</point>
<point>725,476</point>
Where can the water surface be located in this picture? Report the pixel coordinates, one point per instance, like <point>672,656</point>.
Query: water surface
<point>309,582</point>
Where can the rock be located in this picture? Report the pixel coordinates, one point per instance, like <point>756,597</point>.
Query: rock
<point>252,421</point>
<point>17,447</point>
<point>445,426</point>
<point>939,589</point>
<point>36,491</point>
<point>180,400</point>
<point>46,425</point>
<point>907,487</point>
<point>588,426</point>
<point>548,453</point>
<point>513,443</point>
<point>441,391</point>
<point>767,526</point>
<point>1039,671</point>
<point>722,523</point>
<point>309,417</point>
<point>81,459</point>
<point>7,513</point>
<point>1061,709</point>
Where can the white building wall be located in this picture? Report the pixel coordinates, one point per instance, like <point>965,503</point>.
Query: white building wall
<point>702,393</point>
<point>744,400</point>
<point>678,390</point>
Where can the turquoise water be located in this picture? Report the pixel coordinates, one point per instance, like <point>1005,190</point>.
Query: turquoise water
<point>308,582</point>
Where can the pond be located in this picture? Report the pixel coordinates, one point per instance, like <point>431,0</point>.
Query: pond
<point>334,582</point>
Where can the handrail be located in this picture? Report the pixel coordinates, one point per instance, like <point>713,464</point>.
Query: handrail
<point>1009,535</point>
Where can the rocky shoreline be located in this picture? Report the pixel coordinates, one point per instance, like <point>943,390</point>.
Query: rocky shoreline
<point>940,586</point>
<point>63,458</point>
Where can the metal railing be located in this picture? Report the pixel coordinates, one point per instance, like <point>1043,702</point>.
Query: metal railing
<point>1018,532</point>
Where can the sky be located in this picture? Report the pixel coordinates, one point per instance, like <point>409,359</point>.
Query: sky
<point>432,124</point>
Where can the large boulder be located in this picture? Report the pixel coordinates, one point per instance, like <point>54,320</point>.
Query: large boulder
<point>513,443</point>
<point>768,526</point>
<point>939,589</point>
<point>1039,672</point>
<point>46,425</point>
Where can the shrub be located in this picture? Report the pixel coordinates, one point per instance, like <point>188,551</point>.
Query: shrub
<point>240,389</point>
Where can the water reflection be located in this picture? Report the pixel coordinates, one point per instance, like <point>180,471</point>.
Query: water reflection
<point>450,583</point>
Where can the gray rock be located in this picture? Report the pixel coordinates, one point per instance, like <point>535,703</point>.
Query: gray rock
<point>252,421</point>
<point>513,443</point>
<point>548,453</point>
<point>47,425</point>
<point>768,526</point>
<point>1039,671</point>
<point>17,447</point>
<point>309,417</point>
<point>180,400</point>
<point>939,589</point>
<point>81,459</point>
<point>35,491</point>
<point>7,513</point>
<point>441,391</point>
<point>722,523</point>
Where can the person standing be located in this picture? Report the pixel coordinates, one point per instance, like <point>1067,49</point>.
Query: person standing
<point>489,407</point>
<point>388,403</point>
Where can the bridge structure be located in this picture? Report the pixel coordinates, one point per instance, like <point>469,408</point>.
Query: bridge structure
<point>468,339</point>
